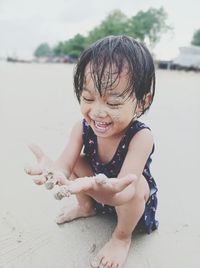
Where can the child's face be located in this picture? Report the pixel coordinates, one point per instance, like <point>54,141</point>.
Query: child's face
<point>109,114</point>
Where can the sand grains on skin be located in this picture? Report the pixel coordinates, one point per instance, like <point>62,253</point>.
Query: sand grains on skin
<point>113,254</point>
<point>73,214</point>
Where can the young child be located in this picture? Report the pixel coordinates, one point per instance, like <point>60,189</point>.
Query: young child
<point>114,83</point>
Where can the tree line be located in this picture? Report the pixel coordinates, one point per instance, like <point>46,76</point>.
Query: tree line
<point>146,26</point>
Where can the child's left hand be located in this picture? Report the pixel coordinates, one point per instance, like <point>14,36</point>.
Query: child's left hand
<point>102,189</point>
<point>45,171</point>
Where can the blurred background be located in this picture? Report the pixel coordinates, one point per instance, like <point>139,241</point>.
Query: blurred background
<point>57,31</point>
<point>40,40</point>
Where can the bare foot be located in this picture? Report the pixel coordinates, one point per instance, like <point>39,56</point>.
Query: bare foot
<point>74,213</point>
<point>113,254</point>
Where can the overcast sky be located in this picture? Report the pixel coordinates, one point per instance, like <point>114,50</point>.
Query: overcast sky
<point>24,24</point>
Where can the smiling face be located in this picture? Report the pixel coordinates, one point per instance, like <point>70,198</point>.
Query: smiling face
<point>109,67</point>
<point>110,113</point>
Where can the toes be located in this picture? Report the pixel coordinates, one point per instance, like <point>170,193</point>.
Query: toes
<point>106,264</point>
<point>115,265</point>
<point>61,219</point>
<point>96,262</point>
<point>103,263</point>
<point>109,265</point>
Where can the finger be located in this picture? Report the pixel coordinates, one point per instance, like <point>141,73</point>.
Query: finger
<point>122,183</point>
<point>39,181</point>
<point>117,185</point>
<point>74,187</point>
<point>54,178</point>
<point>33,170</point>
<point>78,186</point>
<point>37,151</point>
<point>61,178</point>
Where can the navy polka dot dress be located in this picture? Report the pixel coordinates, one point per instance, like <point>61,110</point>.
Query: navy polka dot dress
<point>113,167</point>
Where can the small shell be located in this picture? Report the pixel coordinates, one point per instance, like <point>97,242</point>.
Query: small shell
<point>49,175</point>
<point>49,184</point>
<point>62,192</point>
<point>101,178</point>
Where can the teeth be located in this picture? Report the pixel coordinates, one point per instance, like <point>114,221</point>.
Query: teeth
<point>101,123</point>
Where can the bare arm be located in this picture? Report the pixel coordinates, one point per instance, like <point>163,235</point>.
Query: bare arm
<point>71,152</point>
<point>117,191</point>
<point>139,150</point>
<point>57,172</point>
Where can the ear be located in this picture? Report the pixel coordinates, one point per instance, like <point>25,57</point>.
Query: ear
<point>144,104</point>
<point>147,100</point>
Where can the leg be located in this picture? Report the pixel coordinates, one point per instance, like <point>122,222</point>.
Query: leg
<point>114,253</point>
<point>85,204</point>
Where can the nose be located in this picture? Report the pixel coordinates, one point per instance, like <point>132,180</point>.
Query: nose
<point>98,111</point>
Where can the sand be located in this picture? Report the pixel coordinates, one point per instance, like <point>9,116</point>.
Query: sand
<point>37,104</point>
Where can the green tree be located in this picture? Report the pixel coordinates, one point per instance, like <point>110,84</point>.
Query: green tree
<point>196,38</point>
<point>58,50</point>
<point>43,50</point>
<point>114,24</point>
<point>72,47</point>
<point>148,25</point>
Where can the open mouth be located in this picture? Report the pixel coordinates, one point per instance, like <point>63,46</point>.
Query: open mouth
<point>101,126</point>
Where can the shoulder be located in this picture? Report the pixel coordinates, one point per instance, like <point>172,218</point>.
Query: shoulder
<point>143,139</point>
<point>77,129</point>
<point>78,125</point>
<point>138,125</point>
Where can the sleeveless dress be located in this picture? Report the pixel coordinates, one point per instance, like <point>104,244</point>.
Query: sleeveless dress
<point>113,167</point>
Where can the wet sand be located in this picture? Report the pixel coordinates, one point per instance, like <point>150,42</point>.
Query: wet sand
<point>37,104</point>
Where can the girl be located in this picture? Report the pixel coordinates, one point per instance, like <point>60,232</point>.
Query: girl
<point>114,83</point>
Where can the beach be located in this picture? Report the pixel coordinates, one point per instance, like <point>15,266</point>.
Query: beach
<point>38,105</point>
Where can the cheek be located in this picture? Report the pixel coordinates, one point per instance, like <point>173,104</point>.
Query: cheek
<point>123,114</point>
<point>83,107</point>
<point>116,115</point>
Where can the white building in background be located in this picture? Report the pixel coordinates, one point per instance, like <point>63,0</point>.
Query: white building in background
<point>189,57</point>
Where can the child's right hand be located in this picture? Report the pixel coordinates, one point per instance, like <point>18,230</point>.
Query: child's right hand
<point>46,170</point>
<point>110,191</point>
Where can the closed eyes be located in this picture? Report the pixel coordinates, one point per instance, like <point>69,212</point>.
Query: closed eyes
<point>110,104</point>
<point>87,99</point>
<point>114,105</point>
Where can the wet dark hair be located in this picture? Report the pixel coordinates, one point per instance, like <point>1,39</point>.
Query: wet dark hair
<point>110,56</point>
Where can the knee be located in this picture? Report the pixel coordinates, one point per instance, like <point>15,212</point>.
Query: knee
<point>82,168</point>
<point>72,177</point>
<point>142,190</point>
<point>87,206</point>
